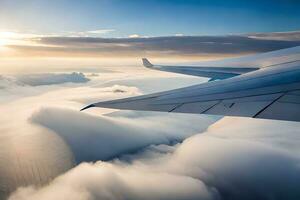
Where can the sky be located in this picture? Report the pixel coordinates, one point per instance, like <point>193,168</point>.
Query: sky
<point>98,31</point>
<point>58,56</point>
<point>150,18</point>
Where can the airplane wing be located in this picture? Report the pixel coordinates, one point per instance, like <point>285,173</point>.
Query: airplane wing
<point>203,71</point>
<point>269,93</point>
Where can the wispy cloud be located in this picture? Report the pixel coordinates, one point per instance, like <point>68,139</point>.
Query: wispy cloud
<point>91,33</point>
<point>134,36</point>
<point>284,36</point>
<point>101,31</point>
<point>82,43</point>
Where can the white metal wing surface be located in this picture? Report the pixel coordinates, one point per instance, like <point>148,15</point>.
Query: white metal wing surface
<point>271,92</point>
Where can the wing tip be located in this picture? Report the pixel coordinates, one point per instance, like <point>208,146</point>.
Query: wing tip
<point>146,62</point>
<point>87,107</point>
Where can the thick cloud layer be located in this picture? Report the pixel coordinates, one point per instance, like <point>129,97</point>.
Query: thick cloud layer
<point>17,86</point>
<point>43,134</point>
<point>138,153</point>
<point>95,138</point>
<point>230,163</point>
<point>107,181</point>
<point>42,79</point>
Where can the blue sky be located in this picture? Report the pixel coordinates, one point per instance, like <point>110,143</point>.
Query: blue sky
<point>150,17</point>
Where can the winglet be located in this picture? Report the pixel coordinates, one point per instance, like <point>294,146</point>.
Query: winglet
<point>146,62</point>
<point>89,106</point>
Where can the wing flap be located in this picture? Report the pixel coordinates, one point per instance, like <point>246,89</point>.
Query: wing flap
<point>287,107</point>
<point>246,107</point>
<point>195,107</point>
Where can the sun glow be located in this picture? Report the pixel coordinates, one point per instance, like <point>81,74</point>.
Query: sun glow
<point>14,38</point>
<point>6,38</point>
<point>3,42</point>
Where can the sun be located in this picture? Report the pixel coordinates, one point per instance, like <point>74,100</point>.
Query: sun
<point>7,38</point>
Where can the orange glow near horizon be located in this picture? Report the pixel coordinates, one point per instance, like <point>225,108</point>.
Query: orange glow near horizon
<point>15,38</point>
<point>21,52</point>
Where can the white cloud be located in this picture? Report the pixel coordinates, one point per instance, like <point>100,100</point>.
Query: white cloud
<point>284,36</point>
<point>51,78</point>
<point>219,164</point>
<point>111,182</point>
<point>107,137</point>
<point>37,147</point>
<point>41,79</point>
<point>134,36</point>
<point>236,158</point>
<point>91,33</point>
<point>101,31</point>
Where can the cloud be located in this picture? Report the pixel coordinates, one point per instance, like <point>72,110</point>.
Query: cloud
<point>34,153</point>
<point>231,163</point>
<point>134,36</point>
<point>30,154</point>
<point>91,33</point>
<point>101,31</point>
<point>284,36</point>
<point>108,137</point>
<point>106,181</point>
<point>51,78</point>
<point>38,79</point>
<point>6,82</point>
<point>184,44</point>
<point>235,158</point>
<point>135,45</point>
<point>17,86</point>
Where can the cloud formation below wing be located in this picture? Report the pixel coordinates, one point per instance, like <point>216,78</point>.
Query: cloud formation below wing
<point>93,138</point>
<point>44,134</point>
<point>230,163</point>
<point>234,159</point>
